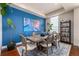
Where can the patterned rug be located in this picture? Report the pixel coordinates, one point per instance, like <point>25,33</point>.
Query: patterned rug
<point>63,50</point>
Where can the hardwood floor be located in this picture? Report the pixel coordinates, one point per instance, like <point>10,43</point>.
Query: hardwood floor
<point>10,53</point>
<point>73,52</point>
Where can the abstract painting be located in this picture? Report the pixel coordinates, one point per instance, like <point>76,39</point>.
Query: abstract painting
<point>31,24</point>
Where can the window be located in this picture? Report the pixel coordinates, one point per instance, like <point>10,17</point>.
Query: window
<point>55,22</point>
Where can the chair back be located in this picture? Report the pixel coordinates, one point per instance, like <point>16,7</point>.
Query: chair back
<point>33,34</point>
<point>24,43</point>
<point>23,40</point>
<point>48,39</point>
<point>58,36</point>
<point>54,35</point>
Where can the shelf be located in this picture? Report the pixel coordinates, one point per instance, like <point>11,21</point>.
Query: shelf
<point>64,26</point>
<point>65,36</point>
<point>65,31</point>
<point>65,22</point>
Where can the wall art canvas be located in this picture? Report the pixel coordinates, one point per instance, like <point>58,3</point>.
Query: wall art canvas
<point>31,25</point>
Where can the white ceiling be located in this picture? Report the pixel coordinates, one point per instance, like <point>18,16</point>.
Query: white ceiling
<point>46,8</point>
<point>70,6</point>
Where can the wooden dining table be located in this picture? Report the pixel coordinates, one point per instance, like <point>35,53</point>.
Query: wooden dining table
<point>37,39</point>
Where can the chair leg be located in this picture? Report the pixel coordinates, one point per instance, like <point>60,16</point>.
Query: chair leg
<point>47,51</point>
<point>55,44</point>
<point>37,45</point>
<point>22,52</point>
<point>51,49</point>
<point>58,44</point>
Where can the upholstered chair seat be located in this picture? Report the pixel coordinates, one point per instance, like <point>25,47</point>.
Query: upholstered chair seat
<point>45,45</point>
<point>30,47</point>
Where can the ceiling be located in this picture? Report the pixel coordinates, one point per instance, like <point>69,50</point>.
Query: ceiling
<point>46,8</point>
<point>49,7</point>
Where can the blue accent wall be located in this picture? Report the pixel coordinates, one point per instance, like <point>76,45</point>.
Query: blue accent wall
<point>17,17</point>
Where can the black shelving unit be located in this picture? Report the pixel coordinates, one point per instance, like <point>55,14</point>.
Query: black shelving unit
<point>65,31</point>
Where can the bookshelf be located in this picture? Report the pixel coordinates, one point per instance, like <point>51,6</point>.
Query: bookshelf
<point>65,31</point>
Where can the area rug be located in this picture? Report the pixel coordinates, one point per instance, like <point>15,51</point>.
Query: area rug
<point>63,50</point>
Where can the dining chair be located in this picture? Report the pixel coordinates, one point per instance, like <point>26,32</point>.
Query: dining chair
<point>27,44</point>
<point>46,43</point>
<point>56,39</point>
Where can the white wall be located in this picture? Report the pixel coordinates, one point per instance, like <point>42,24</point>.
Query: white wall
<point>68,16</point>
<point>76,26</point>
<point>0,33</point>
<point>55,13</point>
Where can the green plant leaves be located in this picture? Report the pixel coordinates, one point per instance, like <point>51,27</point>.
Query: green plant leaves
<point>49,26</point>
<point>10,23</point>
<point>3,5</point>
<point>3,10</point>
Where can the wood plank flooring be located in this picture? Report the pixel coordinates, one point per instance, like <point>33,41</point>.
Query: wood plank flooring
<point>74,51</point>
<point>10,53</point>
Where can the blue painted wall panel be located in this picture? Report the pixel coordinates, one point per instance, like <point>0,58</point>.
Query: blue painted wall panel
<point>18,19</point>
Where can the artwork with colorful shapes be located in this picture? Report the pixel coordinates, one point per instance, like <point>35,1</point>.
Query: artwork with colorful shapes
<point>31,25</point>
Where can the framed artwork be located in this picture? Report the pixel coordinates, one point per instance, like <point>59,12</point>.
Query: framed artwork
<point>31,24</point>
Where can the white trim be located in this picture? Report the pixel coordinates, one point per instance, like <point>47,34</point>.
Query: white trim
<point>18,43</point>
<point>4,47</point>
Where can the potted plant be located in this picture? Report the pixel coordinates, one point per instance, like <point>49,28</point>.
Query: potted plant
<point>49,27</point>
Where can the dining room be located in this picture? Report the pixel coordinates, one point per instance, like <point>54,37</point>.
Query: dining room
<point>38,29</point>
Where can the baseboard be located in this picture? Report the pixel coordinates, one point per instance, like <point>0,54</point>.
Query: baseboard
<point>18,43</point>
<point>4,47</point>
<point>76,45</point>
